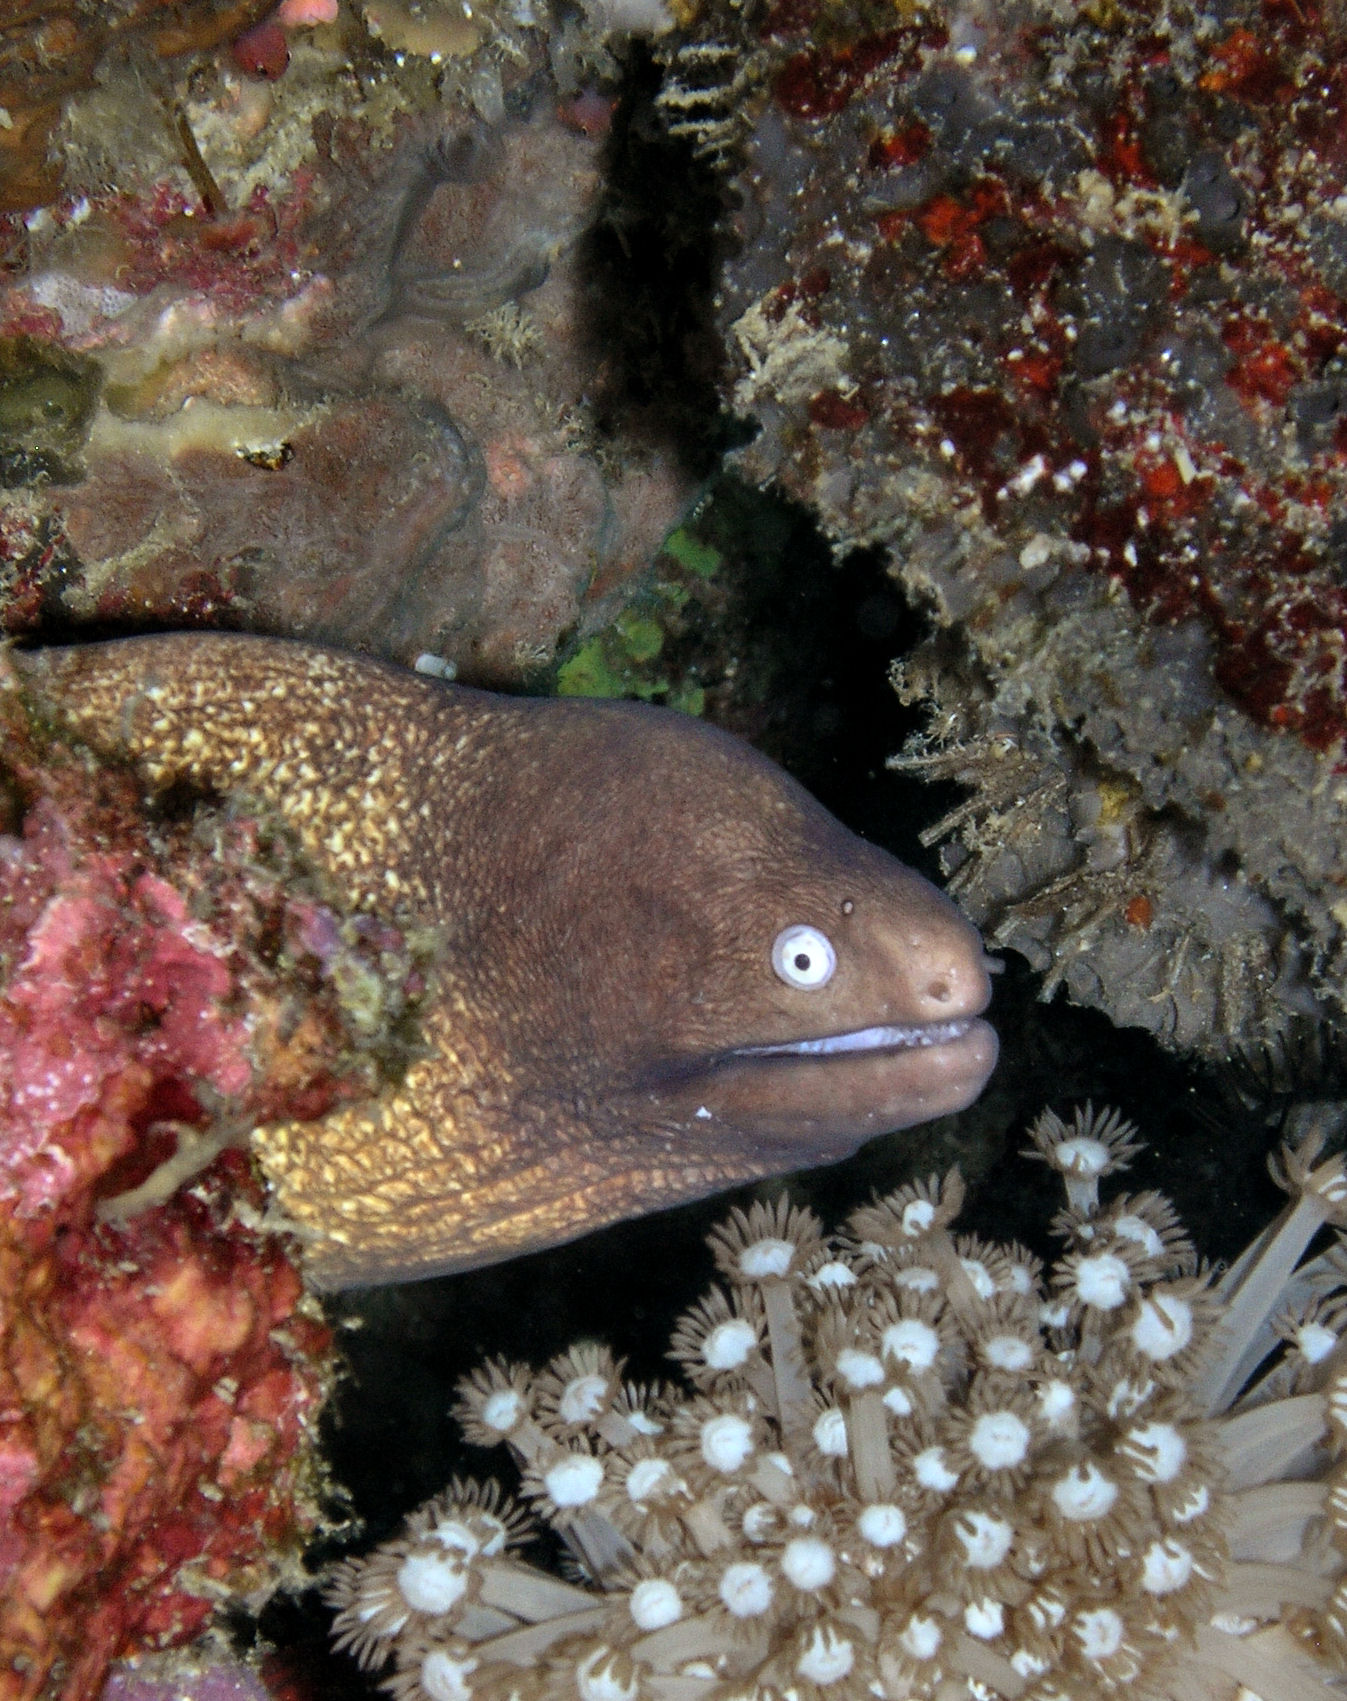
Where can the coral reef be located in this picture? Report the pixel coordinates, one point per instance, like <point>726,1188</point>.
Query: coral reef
<point>49,49</point>
<point>185,1679</point>
<point>1049,302</point>
<point>336,337</point>
<point>166,981</point>
<point>912,1463</point>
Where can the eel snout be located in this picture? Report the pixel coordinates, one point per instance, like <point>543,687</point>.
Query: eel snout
<point>827,1090</point>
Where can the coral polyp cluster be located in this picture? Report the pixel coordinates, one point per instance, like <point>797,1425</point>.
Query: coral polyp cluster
<point>908,1463</point>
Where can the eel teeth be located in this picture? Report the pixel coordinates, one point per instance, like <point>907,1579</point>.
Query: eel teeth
<point>863,1039</point>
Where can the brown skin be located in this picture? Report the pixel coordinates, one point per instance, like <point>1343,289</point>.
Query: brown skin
<point>608,880</point>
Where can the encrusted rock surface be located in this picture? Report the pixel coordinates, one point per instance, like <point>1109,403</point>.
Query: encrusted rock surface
<point>315,356</point>
<point>165,983</point>
<point>1049,301</point>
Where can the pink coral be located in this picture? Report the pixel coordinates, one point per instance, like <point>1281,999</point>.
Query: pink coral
<point>160,1375</point>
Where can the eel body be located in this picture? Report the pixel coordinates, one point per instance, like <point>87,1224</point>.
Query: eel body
<point>663,967</point>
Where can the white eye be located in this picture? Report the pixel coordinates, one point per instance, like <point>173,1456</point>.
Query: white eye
<point>803,957</point>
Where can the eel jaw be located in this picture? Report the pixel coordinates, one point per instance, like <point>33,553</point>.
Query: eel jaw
<point>889,1038</point>
<point>824,1095</point>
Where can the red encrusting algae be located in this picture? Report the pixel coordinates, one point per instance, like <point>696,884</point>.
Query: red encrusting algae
<point>161,1373</point>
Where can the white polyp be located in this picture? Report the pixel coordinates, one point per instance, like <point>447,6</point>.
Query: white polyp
<point>1315,1342</point>
<point>985,1618</point>
<point>767,1257</point>
<point>980,1276</point>
<point>597,1679</point>
<point>445,1678</point>
<point>648,1479</point>
<point>582,1399</point>
<point>1056,1403</point>
<point>431,1582</point>
<point>882,1525</point>
<point>1102,1281</point>
<point>1140,1233</point>
<point>1163,1326</point>
<point>858,1369</point>
<point>574,1480</point>
<point>1027,1665</point>
<point>1046,1612</point>
<point>985,1539</point>
<point>917,1278</point>
<point>899,1402</point>
<point>644,1424</point>
<point>999,1440</point>
<point>1195,1506</point>
<point>454,1534</point>
<point>726,1441</point>
<point>920,1637</point>
<point>1165,1566</point>
<point>1007,1352</point>
<point>745,1589</point>
<point>759,1522</point>
<point>809,1563</point>
<point>654,1603</point>
<point>1082,1158</point>
<point>918,1215</point>
<point>1157,1451</point>
<point>1099,1632</point>
<point>1021,1279</point>
<point>1054,1314</point>
<point>832,1276</point>
<point>931,1470</point>
<point>502,1410</point>
<point>828,1658</point>
<point>911,1342</point>
<point>1083,1493</point>
<point>830,1434</point>
<point>729,1344</point>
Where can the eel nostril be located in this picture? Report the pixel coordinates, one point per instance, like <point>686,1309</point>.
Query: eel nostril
<point>939,991</point>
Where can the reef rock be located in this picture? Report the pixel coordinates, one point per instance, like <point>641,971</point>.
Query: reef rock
<point>315,358</point>
<point>165,983</point>
<point>1049,302</point>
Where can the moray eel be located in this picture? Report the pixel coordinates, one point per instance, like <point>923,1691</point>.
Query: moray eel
<point>665,968</point>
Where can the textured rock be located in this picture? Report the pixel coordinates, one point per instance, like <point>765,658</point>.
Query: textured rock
<point>340,346</point>
<point>1050,304</point>
<point>164,983</point>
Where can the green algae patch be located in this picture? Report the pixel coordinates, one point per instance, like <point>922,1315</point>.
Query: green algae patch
<point>693,553</point>
<point>644,653</point>
<point>589,672</point>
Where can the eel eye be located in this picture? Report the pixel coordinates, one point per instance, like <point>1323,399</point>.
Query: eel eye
<point>803,957</point>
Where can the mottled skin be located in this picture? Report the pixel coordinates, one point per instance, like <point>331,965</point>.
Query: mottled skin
<point>608,881</point>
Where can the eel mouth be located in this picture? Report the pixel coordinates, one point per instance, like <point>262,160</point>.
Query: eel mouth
<point>824,1094</point>
<point>890,1038</point>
